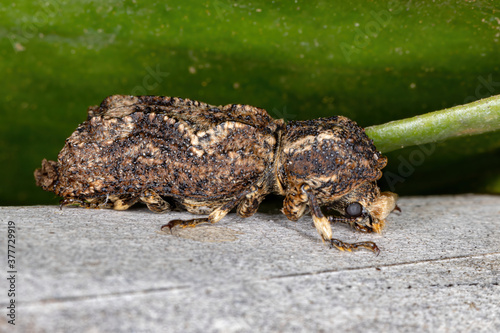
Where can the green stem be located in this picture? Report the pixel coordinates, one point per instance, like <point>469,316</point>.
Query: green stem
<point>469,119</point>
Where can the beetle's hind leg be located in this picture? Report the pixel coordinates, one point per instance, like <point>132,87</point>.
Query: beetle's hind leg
<point>97,202</point>
<point>155,202</point>
<point>73,202</point>
<point>324,228</point>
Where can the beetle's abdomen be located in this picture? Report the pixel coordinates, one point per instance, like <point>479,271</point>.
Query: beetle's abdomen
<point>160,152</point>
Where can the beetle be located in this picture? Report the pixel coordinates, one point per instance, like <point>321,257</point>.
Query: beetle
<point>169,152</point>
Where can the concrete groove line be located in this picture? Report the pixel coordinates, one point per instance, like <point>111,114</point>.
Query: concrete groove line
<point>69,299</point>
<point>160,290</point>
<point>383,265</point>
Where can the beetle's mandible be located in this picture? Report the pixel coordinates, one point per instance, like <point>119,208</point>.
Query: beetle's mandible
<point>177,153</point>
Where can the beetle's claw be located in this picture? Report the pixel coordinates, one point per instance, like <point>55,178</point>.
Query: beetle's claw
<point>169,225</point>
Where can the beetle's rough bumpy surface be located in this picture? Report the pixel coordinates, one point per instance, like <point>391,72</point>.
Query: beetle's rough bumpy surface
<point>178,153</point>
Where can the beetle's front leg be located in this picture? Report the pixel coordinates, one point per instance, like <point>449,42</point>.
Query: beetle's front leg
<point>355,246</point>
<point>352,223</point>
<point>320,221</point>
<point>325,230</point>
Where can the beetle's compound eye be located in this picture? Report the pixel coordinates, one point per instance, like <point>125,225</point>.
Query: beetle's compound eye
<point>354,209</point>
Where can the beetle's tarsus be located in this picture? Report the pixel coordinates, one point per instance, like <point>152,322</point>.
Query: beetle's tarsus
<point>354,246</point>
<point>184,223</point>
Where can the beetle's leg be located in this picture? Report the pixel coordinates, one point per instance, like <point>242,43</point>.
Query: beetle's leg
<point>324,228</point>
<point>97,202</point>
<point>320,221</point>
<point>186,223</point>
<point>295,203</point>
<point>123,202</point>
<point>154,202</point>
<point>73,202</point>
<point>351,222</point>
<point>214,216</point>
<point>249,205</point>
<point>354,246</point>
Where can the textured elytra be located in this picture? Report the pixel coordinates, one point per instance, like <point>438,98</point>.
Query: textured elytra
<point>165,151</point>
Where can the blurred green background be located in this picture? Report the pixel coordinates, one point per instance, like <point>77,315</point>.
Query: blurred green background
<point>373,61</point>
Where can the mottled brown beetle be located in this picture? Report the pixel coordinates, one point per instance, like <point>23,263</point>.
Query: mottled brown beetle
<point>209,160</point>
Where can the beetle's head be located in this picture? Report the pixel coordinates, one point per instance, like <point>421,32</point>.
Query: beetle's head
<point>365,208</point>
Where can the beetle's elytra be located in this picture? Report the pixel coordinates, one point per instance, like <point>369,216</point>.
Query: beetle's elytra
<point>172,152</point>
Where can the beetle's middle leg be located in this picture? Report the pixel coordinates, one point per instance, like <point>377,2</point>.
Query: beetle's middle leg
<point>250,203</point>
<point>213,217</point>
<point>325,230</point>
<point>155,202</point>
<point>122,202</point>
<point>295,203</point>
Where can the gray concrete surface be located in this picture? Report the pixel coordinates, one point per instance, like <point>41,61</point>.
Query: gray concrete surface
<point>84,270</point>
